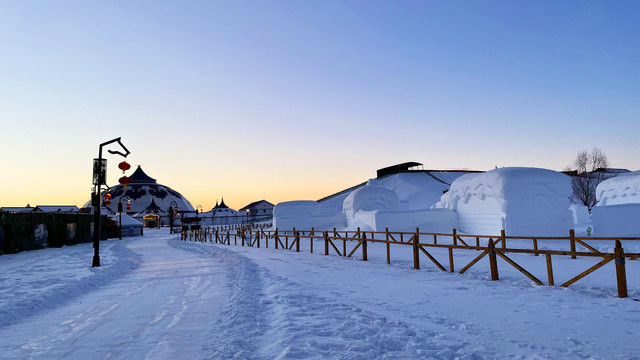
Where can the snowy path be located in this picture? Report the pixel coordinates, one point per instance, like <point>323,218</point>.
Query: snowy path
<point>159,298</point>
<point>148,314</point>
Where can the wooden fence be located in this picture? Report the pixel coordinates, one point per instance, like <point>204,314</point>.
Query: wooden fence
<point>488,246</point>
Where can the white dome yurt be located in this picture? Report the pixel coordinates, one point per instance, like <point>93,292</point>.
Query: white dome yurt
<point>147,197</point>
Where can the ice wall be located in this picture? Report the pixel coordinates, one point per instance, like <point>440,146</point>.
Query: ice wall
<point>522,201</point>
<point>622,189</point>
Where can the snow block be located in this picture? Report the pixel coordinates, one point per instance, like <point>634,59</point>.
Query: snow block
<point>304,215</point>
<point>369,198</point>
<point>522,201</point>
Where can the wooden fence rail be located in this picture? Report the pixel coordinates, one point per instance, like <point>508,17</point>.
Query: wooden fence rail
<point>488,245</point>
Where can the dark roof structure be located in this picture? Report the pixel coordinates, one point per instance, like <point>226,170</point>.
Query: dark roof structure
<point>254,204</point>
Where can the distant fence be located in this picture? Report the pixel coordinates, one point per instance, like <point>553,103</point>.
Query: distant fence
<point>492,247</point>
<point>34,230</point>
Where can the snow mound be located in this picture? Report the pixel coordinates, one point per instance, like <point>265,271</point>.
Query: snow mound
<point>622,189</point>
<point>522,201</point>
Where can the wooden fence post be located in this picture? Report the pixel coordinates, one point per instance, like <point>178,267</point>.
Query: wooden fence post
<point>550,270</point>
<point>416,251</point>
<point>455,238</point>
<point>504,239</point>
<point>621,272</point>
<point>276,238</point>
<point>258,238</point>
<point>451,259</point>
<point>386,239</point>
<point>364,247</point>
<point>493,262</point>
<point>326,243</point>
<point>243,238</point>
<point>572,239</point>
<point>298,241</point>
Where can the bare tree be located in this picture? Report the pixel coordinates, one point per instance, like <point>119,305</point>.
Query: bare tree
<point>590,171</point>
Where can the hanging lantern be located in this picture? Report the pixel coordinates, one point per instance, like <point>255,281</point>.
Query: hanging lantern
<point>124,166</point>
<point>129,205</point>
<point>107,196</point>
<point>124,181</point>
<point>107,202</point>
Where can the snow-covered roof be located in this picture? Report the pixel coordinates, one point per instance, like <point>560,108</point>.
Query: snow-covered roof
<point>126,220</point>
<point>18,209</point>
<point>58,208</point>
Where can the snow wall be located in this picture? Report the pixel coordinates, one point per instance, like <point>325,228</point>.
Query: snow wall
<point>304,215</point>
<point>616,220</point>
<point>371,207</point>
<point>522,201</point>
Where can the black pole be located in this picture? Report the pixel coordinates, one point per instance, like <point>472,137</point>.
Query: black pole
<point>96,220</point>
<point>98,198</point>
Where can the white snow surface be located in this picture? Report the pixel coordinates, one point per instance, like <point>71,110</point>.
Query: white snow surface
<point>619,190</point>
<point>522,201</point>
<point>156,297</point>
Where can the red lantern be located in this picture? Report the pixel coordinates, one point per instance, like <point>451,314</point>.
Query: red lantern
<point>124,166</point>
<point>107,196</point>
<point>128,205</point>
<point>107,202</point>
<point>124,181</point>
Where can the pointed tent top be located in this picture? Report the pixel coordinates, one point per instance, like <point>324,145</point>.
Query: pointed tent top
<point>153,207</point>
<point>223,205</point>
<point>139,177</point>
<point>215,207</point>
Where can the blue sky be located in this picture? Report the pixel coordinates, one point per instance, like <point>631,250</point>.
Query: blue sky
<point>289,100</point>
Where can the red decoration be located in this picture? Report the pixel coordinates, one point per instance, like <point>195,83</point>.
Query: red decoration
<point>124,166</point>
<point>107,196</point>
<point>124,181</point>
<point>107,202</point>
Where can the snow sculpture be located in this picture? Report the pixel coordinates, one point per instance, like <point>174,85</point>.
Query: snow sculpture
<point>522,201</point>
<point>618,208</point>
<point>622,189</point>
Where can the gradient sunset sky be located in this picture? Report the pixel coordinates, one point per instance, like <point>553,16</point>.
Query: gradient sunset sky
<point>289,100</point>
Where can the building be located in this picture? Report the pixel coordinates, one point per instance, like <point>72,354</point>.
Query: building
<point>146,197</point>
<point>258,210</point>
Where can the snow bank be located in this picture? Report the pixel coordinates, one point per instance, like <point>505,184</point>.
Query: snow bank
<point>622,189</point>
<point>616,220</point>
<point>427,220</point>
<point>522,201</point>
<point>304,215</point>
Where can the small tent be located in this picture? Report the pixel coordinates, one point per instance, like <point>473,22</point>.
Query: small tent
<point>130,226</point>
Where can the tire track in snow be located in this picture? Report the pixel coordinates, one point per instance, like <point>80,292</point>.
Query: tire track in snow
<point>242,321</point>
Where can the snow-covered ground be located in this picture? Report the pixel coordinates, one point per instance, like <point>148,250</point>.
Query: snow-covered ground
<point>156,297</point>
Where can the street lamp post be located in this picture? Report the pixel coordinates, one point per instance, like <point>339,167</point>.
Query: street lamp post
<point>99,179</point>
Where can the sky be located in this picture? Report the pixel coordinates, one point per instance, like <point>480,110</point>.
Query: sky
<point>289,100</point>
